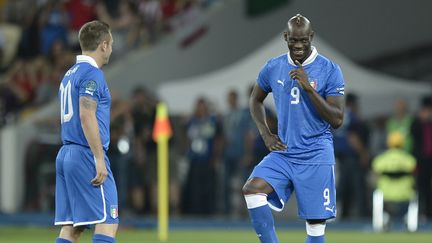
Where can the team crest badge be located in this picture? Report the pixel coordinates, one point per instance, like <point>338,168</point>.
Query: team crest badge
<point>313,83</point>
<point>114,211</point>
<point>90,87</point>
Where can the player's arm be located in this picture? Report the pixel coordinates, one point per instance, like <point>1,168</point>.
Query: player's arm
<point>330,109</point>
<point>87,107</point>
<point>256,106</point>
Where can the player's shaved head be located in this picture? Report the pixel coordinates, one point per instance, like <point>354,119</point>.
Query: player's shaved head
<point>299,22</point>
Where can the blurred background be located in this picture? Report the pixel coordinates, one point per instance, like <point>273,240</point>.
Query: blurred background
<point>201,58</point>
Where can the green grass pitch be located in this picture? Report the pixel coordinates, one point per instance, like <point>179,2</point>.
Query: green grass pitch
<point>39,235</point>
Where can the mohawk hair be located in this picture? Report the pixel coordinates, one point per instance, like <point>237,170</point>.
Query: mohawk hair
<point>298,18</point>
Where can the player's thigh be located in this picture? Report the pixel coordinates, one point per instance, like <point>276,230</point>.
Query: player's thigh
<point>106,229</point>
<point>275,170</point>
<point>79,169</point>
<point>315,191</point>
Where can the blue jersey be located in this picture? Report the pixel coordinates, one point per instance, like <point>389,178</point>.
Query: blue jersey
<point>84,79</point>
<point>306,134</point>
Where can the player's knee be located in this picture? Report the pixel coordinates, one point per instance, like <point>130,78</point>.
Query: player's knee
<point>254,186</point>
<point>77,231</point>
<point>70,232</point>
<point>246,189</point>
<point>250,188</point>
<point>315,227</point>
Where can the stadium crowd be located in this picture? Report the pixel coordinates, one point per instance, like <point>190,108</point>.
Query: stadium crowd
<point>38,40</point>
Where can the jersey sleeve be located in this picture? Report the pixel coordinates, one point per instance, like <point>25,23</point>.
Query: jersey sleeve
<point>262,79</point>
<point>92,84</point>
<point>335,83</point>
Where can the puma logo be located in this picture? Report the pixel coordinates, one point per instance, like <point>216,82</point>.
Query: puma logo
<point>330,209</point>
<point>281,83</point>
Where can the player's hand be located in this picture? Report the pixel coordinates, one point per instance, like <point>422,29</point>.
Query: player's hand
<point>273,143</point>
<point>300,75</point>
<point>101,173</point>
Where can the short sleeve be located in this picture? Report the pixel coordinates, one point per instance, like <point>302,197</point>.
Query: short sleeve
<point>335,83</point>
<point>262,79</point>
<point>92,84</point>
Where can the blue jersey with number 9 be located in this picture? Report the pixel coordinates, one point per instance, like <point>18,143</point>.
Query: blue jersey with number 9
<point>306,134</point>
<point>83,79</point>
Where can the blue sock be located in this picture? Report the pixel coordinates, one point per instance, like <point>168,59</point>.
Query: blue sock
<point>99,238</point>
<point>315,239</point>
<point>61,240</point>
<point>262,221</point>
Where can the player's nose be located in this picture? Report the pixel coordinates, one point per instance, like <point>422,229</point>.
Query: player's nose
<point>298,45</point>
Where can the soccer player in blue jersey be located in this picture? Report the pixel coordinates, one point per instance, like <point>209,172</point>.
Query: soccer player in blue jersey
<point>85,188</point>
<point>308,92</point>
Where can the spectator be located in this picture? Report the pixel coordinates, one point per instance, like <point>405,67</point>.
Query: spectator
<point>60,57</point>
<point>189,13</point>
<point>9,38</point>
<point>169,9</point>
<point>421,130</point>
<point>80,12</point>
<point>235,127</point>
<point>54,23</point>
<point>124,26</point>
<point>150,12</point>
<point>204,134</point>
<point>395,169</point>
<point>29,44</point>
<point>48,88</point>
<point>21,82</point>
<point>401,122</point>
<point>352,155</point>
<point>378,135</point>
<point>142,169</point>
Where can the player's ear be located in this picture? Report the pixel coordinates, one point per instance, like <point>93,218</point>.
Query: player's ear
<point>285,34</point>
<point>312,35</point>
<point>104,45</point>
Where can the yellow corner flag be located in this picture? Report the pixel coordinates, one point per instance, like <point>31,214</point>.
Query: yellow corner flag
<point>161,133</point>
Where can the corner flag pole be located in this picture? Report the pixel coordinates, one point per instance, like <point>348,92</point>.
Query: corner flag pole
<point>161,133</point>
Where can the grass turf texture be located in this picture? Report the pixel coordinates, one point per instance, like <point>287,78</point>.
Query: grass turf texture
<point>36,235</point>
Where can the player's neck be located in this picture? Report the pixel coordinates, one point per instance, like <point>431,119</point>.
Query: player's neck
<point>95,57</point>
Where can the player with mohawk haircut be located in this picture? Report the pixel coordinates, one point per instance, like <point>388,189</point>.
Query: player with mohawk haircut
<point>308,92</point>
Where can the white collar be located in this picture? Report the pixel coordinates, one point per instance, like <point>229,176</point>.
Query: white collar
<point>308,60</point>
<point>88,59</point>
